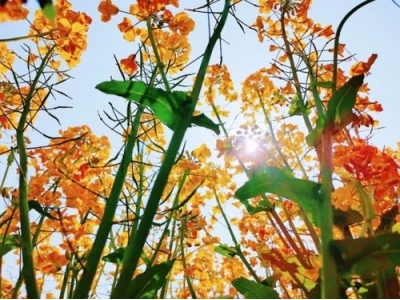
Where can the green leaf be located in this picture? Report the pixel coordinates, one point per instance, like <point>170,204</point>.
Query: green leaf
<point>225,250</point>
<point>167,107</point>
<point>347,218</point>
<point>342,102</point>
<point>203,121</point>
<point>282,183</point>
<point>366,255</point>
<point>339,112</point>
<point>35,205</point>
<point>295,109</point>
<point>254,290</point>
<point>115,257</point>
<point>158,100</point>
<point>11,242</point>
<point>49,11</point>
<point>146,285</point>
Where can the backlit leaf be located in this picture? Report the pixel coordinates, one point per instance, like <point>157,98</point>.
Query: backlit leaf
<point>342,103</point>
<point>115,257</point>
<point>147,284</point>
<point>158,100</point>
<point>11,242</point>
<point>282,183</point>
<point>366,255</point>
<point>225,250</point>
<point>254,290</point>
<point>167,107</point>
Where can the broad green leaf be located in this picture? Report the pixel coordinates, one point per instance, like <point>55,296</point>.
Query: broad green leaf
<point>365,255</point>
<point>339,112</point>
<point>225,250</point>
<point>115,257</point>
<point>281,183</point>
<point>167,107</point>
<point>342,102</point>
<point>158,100</point>
<point>147,284</point>
<point>11,242</point>
<point>254,290</point>
<point>33,204</point>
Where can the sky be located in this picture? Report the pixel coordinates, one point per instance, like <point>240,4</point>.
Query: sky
<point>373,29</point>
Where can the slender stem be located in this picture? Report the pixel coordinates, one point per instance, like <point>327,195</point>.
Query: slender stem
<point>160,64</point>
<point>295,247</point>
<point>64,283</point>
<point>273,137</point>
<point>28,270</point>
<point>3,244</point>
<point>166,228</point>
<point>19,38</point>
<point>337,37</point>
<point>294,230</point>
<point>137,242</point>
<point>187,278</point>
<point>294,70</point>
<point>235,241</point>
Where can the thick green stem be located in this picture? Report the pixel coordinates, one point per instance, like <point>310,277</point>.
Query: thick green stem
<point>28,271</point>
<point>84,285</point>
<point>137,242</point>
<point>329,274</point>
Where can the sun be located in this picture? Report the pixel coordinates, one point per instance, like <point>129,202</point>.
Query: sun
<point>251,146</point>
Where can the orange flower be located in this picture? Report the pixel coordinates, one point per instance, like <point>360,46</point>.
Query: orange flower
<point>363,67</point>
<point>13,10</point>
<point>223,146</point>
<point>129,65</point>
<point>127,28</point>
<point>107,10</point>
<point>182,23</point>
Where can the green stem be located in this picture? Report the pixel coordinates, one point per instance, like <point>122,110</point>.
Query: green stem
<point>84,285</point>
<point>19,38</point>
<point>187,278</point>
<point>294,70</point>
<point>166,228</point>
<point>337,37</point>
<point>28,270</point>
<point>329,274</point>
<point>137,242</point>
<point>160,64</point>
<point>64,283</point>
<point>3,244</point>
<point>237,245</point>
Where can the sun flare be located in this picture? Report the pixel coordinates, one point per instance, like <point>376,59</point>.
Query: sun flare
<point>251,146</point>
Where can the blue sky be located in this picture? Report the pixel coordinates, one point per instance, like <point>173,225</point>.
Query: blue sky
<point>373,29</point>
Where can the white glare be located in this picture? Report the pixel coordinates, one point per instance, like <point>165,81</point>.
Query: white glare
<point>251,146</point>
